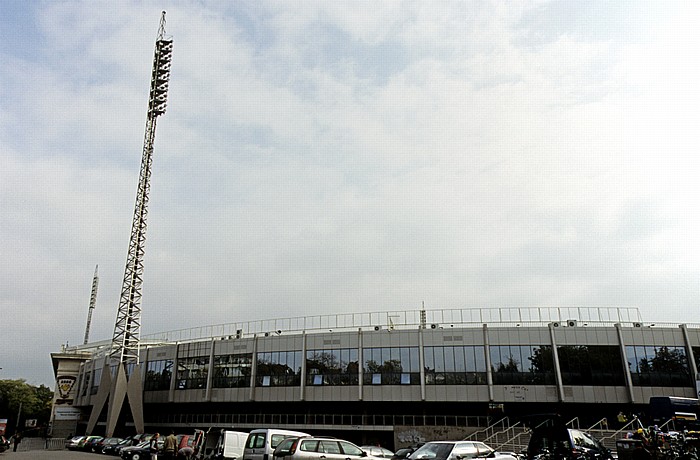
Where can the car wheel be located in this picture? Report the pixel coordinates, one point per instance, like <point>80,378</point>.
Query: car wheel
<point>136,457</point>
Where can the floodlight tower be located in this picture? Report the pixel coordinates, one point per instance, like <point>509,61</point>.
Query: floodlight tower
<point>124,352</point>
<point>93,301</point>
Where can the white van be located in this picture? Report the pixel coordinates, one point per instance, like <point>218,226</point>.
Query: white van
<point>261,443</point>
<point>230,445</point>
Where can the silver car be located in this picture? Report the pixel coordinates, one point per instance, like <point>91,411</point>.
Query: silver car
<point>319,448</point>
<point>457,450</point>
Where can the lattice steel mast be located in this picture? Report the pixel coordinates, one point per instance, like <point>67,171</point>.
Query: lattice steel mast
<point>127,329</point>
<point>124,352</point>
<point>93,301</point>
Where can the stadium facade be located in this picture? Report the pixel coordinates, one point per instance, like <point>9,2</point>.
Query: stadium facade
<point>374,372</point>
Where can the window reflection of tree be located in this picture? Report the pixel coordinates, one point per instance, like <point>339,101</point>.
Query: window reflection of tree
<point>658,366</point>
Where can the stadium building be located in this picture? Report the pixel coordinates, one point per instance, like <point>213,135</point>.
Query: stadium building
<point>387,377</point>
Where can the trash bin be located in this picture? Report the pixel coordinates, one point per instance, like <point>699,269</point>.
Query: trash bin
<point>625,447</point>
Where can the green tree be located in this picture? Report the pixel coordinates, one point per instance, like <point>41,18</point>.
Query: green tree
<point>35,403</point>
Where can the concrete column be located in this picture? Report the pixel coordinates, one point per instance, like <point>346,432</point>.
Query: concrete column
<point>210,371</point>
<point>173,375</point>
<point>302,389</point>
<point>487,360</point>
<point>691,356</point>
<point>623,353</point>
<point>555,358</point>
<point>421,361</point>
<point>253,369</point>
<point>361,365</point>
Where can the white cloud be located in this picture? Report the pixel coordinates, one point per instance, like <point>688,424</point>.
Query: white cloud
<point>328,157</point>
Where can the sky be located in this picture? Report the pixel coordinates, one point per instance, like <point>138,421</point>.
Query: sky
<point>332,157</point>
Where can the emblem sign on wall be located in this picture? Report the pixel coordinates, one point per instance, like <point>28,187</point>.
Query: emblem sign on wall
<point>65,385</point>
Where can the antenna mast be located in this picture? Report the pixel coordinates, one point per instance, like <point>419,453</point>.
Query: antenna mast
<point>93,301</point>
<point>127,329</point>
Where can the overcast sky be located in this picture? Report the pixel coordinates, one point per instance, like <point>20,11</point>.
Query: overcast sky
<point>332,157</point>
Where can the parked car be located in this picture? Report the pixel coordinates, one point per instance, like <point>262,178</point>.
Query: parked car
<point>318,448</point>
<point>560,442</point>
<point>457,450</point>
<point>91,444</point>
<point>140,451</point>
<point>114,449</point>
<point>83,444</point>
<point>100,446</point>
<point>403,453</point>
<point>377,451</point>
<point>261,443</point>
<point>72,443</point>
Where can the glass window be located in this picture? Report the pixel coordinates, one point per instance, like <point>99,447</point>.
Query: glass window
<point>454,365</point>
<point>332,367</point>
<point>279,369</point>
<point>232,371</point>
<point>96,381</point>
<point>591,365</point>
<point>386,365</point>
<point>86,384</point>
<point>309,445</point>
<point>350,449</point>
<point>255,441</point>
<point>522,365</point>
<point>658,366</point>
<point>192,372</point>
<point>329,447</point>
<point>158,375</point>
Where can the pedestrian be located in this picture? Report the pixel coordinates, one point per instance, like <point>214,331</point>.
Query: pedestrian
<point>186,453</point>
<point>170,446</point>
<point>621,419</point>
<point>16,439</point>
<point>153,446</point>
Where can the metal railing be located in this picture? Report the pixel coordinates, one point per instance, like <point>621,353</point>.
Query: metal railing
<point>498,425</point>
<point>390,320</point>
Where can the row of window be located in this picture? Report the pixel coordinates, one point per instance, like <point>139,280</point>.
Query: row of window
<point>460,365</point>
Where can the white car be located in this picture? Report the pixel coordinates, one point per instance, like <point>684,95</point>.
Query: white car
<point>458,450</point>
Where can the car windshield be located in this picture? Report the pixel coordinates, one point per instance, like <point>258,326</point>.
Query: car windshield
<point>430,451</point>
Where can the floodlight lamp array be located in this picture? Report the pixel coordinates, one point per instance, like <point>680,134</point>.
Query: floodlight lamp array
<point>160,79</point>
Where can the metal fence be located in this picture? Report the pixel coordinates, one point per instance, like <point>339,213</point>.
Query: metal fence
<point>28,444</point>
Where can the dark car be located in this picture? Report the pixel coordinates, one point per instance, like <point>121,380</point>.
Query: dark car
<point>138,452</point>
<point>403,453</point>
<point>91,444</point>
<point>558,443</point>
<point>86,443</point>
<point>113,449</point>
<point>100,446</point>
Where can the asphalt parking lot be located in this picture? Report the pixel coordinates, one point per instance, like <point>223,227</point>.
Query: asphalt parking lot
<point>52,455</point>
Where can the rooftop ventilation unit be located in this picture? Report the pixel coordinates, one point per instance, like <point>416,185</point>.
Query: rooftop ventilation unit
<point>556,324</point>
<point>571,323</point>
